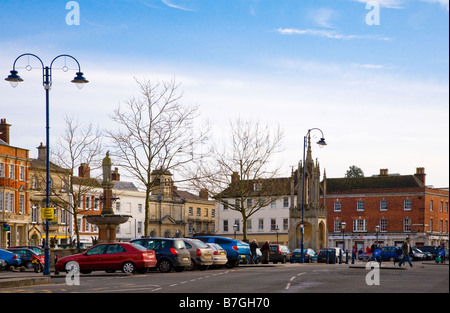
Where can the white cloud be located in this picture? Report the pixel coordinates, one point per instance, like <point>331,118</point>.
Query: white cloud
<point>327,34</point>
<point>172,4</point>
<point>443,3</point>
<point>391,4</point>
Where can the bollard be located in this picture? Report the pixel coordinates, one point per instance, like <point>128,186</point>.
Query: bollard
<point>353,257</point>
<point>340,256</point>
<point>346,256</point>
<point>56,260</point>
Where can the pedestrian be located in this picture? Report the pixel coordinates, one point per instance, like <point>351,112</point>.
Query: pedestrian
<point>442,248</point>
<point>367,250</point>
<point>407,250</point>
<point>254,256</point>
<point>265,249</point>
<point>373,247</point>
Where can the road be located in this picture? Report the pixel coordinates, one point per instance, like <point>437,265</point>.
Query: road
<point>287,278</point>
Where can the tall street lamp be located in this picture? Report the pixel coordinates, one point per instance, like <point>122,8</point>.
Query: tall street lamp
<point>321,143</point>
<point>14,80</point>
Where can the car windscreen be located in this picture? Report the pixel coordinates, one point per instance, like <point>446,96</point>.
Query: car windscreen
<point>200,244</point>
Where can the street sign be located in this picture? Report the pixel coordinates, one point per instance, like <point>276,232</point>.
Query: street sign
<point>48,213</point>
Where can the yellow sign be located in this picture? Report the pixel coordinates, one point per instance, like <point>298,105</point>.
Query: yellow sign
<point>48,213</point>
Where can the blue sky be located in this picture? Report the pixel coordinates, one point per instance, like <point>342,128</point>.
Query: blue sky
<point>379,92</point>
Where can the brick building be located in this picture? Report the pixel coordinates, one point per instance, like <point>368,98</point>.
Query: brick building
<point>14,195</point>
<point>400,205</point>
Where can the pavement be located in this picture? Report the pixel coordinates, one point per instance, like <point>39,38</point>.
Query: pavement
<point>17,278</point>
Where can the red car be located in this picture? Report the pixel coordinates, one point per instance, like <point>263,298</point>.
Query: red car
<point>128,257</point>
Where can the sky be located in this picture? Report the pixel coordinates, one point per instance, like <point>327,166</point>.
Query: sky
<point>373,76</point>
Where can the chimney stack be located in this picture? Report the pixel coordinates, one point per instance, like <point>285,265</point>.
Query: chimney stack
<point>115,176</point>
<point>384,172</point>
<point>84,171</point>
<point>4,130</point>
<point>203,194</point>
<point>420,174</point>
<point>42,152</point>
<point>234,177</point>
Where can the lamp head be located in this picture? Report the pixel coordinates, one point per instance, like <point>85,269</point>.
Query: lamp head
<point>322,142</point>
<point>80,80</point>
<point>14,79</point>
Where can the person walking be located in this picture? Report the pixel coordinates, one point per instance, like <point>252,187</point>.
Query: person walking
<point>442,248</point>
<point>265,249</point>
<point>253,255</point>
<point>407,250</point>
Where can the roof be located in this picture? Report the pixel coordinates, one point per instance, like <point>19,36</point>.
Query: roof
<point>256,188</point>
<point>374,182</point>
<point>186,195</point>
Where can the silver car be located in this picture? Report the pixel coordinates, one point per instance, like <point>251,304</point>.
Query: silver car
<point>201,254</point>
<point>219,254</point>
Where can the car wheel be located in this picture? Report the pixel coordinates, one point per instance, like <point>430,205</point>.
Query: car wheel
<point>128,268</point>
<point>72,267</point>
<point>29,264</point>
<point>165,266</point>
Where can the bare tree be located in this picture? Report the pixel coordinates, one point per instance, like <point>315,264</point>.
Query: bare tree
<point>80,144</point>
<point>155,133</point>
<point>242,170</point>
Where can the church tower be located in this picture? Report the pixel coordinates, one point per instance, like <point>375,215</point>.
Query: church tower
<point>315,235</point>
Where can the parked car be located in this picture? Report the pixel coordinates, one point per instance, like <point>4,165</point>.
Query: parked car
<point>279,253</point>
<point>237,250</point>
<point>308,255</point>
<point>428,255</point>
<point>201,254</point>
<point>171,253</point>
<point>3,264</point>
<point>110,257</point>
<point>11,259</point>
<point>390,253</point>
<point>219,254</point>
<point>26,256</point>
<point>39,250</point>
<point>332,255</point>
<point>431,249</point>
<point>418,255</point>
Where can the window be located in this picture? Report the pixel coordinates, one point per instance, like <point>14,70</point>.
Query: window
<point>118,206</point>
<point>407,224</point>
<point>249,203</point>
<point>359,225</point>
<point>139,227</point>
<point>11,171</point>
<point>431,224</point>
<point>34,214</point>
<point>34,183</point>
<point>285,202</point>
<point>21,173</point>
<point>63,216</point>
<point>337,225</point>
<point>407,205</point>
<point>2,169</point>
<point>225,204</point>
<point>1,200</point>
<point>191,210</point>
<point>96,204</point>
<point>237,204</point>
<point>213,212</point>
<point>225,225</point>
<point>273,204</point>
<point>431,205</point>
<point>441,225</point>
<point>249,225</point>
<point>199,212</point>
<point>273,224</point>
<point>21,204</point>
<point>285,223</point>
<point>238,224</point>
<point>337,206</point>
<point>383,224</point>
<point>140,207</point>
<point>383,205</point>
<point>360,205</point>
<point>191,228</point>
<point>260,224</point>
<point>441,207</point>
<point>88,203</point>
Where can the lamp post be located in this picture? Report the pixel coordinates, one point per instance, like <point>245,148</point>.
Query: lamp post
<point>321,143</point>
<point>343,224</point>
<point>14,80</point>
<point>277,230</point>
<point>235,228</point>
